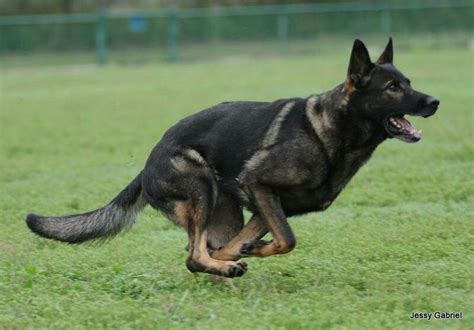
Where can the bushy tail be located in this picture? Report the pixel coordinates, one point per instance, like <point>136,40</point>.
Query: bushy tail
<point>102,223</point>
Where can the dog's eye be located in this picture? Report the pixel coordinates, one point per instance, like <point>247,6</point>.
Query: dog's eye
<point>394,86</point>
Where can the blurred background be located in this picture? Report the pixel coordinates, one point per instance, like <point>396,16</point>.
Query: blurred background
<point>45,32</point>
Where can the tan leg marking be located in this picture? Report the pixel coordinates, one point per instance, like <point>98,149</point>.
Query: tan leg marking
<point>253,230</point>
<point>275,220</point>
<point>201,256</point>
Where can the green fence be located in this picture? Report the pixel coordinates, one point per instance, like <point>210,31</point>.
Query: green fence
<point>175,33</point>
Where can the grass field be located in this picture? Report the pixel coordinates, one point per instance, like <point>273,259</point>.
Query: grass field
<point>399,239</point>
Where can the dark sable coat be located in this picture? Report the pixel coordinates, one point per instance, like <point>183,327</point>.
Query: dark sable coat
<point>278,159</point>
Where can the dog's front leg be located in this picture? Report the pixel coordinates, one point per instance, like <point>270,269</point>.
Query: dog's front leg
<point>271,212</point>
<point>248,237</point>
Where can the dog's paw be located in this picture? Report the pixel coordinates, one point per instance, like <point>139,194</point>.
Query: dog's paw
<point>221,268</point>
<point>249,249</point>
<point>237,270</point>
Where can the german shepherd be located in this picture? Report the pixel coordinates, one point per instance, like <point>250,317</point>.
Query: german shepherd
<point>276,159</point>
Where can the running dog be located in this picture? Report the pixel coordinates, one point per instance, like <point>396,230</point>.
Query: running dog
<point>276,159</point>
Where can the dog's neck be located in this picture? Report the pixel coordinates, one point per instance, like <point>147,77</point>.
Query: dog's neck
<point>357,132</point>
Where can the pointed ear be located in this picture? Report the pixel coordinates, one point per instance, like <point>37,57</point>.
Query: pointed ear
<point>359,64</point>
<point>387,55</point>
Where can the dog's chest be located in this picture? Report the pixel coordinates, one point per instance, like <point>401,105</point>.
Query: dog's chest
<point>345,166</point>
<point>321,190</point>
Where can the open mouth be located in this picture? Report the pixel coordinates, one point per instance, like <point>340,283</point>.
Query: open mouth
<point>400,128</point>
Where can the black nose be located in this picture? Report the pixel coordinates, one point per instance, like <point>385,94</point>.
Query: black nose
<point>432,103</point>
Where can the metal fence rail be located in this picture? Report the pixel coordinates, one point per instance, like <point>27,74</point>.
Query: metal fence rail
<point>169,22</point>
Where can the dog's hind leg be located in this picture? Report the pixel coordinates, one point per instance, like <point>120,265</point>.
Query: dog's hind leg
<point>197,213</point>
<point>199,259</point>
<point>185,189</point>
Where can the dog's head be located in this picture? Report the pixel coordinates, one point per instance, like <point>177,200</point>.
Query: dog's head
<point>381,93</point>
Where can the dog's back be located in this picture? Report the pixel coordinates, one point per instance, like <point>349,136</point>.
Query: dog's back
<point>225,135</point>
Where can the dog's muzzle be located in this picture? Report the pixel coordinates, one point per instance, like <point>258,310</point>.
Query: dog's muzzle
<point>399,127</point>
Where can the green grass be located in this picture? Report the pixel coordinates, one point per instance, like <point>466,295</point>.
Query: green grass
<point>399,238</point>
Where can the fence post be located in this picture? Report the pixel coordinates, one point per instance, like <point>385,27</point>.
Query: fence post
<point>172,34</point>
<point>282,32</point>
<point>385,22</point>
<point>101,38</point>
